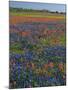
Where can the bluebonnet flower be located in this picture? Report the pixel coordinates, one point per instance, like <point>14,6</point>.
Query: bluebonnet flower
<point>17,56</point>
<point>29,56</point>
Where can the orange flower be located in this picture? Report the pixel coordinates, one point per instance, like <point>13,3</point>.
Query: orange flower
<point>25,33</point>
<point>60,66</point>
<point>55,41</point>
<point>51,64</point>
<point>46,66</point>
<point>33,65</point>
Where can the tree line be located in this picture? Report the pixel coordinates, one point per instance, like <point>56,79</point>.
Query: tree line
<point>33,10</point>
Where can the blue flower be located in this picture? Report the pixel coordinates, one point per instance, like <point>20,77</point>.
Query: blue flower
<point>17,56</point>
<point>29,55</point>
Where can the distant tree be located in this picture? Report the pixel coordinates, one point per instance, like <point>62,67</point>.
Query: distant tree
<point>57,12</point>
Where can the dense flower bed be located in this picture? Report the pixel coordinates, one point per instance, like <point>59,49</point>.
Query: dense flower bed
<point>37,54</point>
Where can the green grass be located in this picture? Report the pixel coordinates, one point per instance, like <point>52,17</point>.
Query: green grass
<point>63,40</point>
<point>16,48</point>
<point>17,51</point>
<point>38,14</point>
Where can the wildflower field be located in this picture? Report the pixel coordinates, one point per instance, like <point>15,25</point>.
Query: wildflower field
<point>37,56</point>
